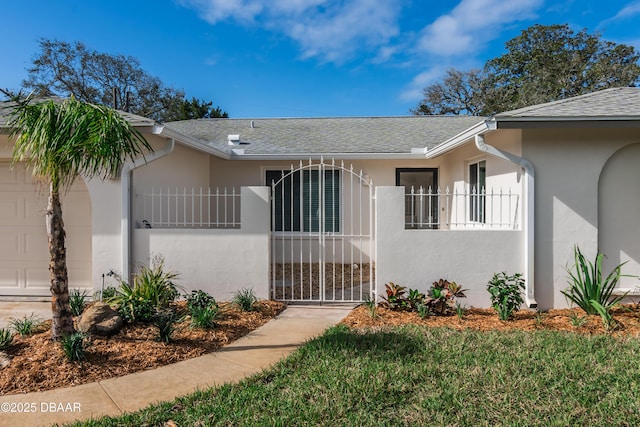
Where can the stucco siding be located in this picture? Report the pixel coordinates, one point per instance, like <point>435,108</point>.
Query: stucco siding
<point>417,258</point>
<point>568,165</point>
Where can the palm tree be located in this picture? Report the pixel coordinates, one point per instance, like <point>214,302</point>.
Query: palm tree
<point>60,140</point>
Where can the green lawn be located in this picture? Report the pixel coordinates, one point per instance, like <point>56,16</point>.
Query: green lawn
<point>422,376</point>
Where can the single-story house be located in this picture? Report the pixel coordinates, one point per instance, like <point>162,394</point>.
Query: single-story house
<point>331,209</point>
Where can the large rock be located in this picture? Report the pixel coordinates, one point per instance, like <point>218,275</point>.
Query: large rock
<point>100,319</point>
<point>5,360</point>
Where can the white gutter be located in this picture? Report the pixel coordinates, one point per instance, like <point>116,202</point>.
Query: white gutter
<point>529,222</point>
<point>125,227</point>
<point>239,155</point>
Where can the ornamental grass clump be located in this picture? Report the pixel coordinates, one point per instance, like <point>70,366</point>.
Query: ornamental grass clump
<point>153,290</point>
<point>74,346</point>
<point>587,287</point>
<point>78,301</point>
<point>6,338</point>
<point>26,325</point>
<point>245,299</point>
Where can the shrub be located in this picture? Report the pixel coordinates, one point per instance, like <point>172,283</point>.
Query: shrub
<point>395,298</point>
<point>73,346</point>
<point>6,337</point>
<point>245,299</point>
<point>78,300</point>
<point>203,309</point>
<point>441,297</point>
<point>26,325</point>
<point>506,294</point>
<point>165,321</point>
<point>415,298</point>
<point>108,293</point>
<point>587,289</point>
<point>199,299</point>
<point>153,289</point>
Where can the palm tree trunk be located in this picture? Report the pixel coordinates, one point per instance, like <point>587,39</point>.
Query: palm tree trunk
<point>62,323</point>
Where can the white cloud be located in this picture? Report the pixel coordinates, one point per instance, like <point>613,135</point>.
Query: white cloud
<point>331,30</point>
<point>472,23</point>
<point>628,11</point>
<point>413,91</point>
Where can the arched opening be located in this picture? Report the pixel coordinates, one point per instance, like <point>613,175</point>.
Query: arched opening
<point>619,213</point>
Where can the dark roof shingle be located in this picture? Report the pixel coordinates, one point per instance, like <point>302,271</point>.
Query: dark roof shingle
<point>326,135</point>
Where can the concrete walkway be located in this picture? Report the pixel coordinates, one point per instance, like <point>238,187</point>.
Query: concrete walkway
<point>19,309</point>
<point>248,355</point>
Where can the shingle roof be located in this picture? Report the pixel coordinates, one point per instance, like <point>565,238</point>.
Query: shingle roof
<point>135,120</point>
<point>326,135</point>
<point>609,104</point>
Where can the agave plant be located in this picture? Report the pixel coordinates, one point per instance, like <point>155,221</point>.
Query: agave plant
<point>587,288</point>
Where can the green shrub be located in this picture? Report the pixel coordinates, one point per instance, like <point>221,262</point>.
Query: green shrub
<point>415,298</point>
<point>6,337</point>
<point>108,293</point>
<point>506,294</point>
<point>78,300</point>
<point>26,325</point>
<point>74,347</point>
<point>153,289</point>
<point>199,299</point>
<point>587,288</point>
<point>245,299</point>
<point>203,309</point>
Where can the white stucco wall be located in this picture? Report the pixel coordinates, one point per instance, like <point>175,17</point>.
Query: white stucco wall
<point>417,258</point>
<point>220,262</point>
<point>568,164</point>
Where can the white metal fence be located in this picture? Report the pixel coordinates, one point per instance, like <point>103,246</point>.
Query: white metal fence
<point>184,208</point>
<point>428,209</point>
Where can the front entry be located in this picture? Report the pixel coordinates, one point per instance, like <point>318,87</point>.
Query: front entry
<point>322,243</point>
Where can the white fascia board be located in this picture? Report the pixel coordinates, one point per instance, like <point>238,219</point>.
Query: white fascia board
<point>162,130</point>
<point>464,137</point>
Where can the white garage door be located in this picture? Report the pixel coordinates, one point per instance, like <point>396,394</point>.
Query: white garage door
<point>24,256</point>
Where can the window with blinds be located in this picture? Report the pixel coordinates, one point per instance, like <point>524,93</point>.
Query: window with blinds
<point>299,204</point>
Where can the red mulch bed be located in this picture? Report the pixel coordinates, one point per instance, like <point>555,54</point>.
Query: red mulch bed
<point>39,364</point>
<point>627,316</point>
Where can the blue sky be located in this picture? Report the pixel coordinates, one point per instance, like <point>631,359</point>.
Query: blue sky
<point>299,58</point>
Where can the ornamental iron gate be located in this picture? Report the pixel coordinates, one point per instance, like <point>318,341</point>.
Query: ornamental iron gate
<point>322,243</point>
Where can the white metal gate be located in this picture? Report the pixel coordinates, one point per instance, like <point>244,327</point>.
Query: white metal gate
<point>322,243</point>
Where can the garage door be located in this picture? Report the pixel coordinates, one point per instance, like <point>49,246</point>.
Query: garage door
<point>24,256</point>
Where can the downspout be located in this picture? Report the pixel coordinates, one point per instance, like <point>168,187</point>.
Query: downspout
<point>126,227</point>
<point>529,222</point>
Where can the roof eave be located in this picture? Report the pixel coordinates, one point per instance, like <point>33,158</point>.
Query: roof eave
<point>462,138</point>
<point>163,131</point>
